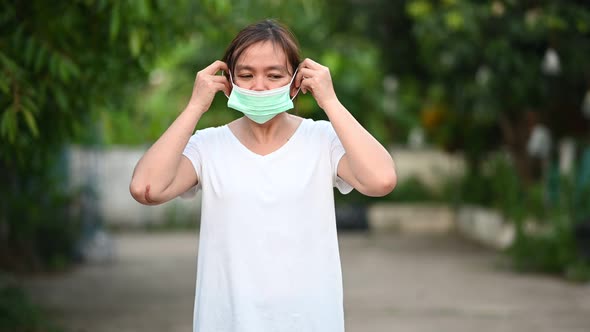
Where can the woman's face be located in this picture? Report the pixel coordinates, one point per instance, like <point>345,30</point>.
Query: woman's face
<point>262,66</point>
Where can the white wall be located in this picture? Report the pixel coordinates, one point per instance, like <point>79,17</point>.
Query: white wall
<point>109,173</point>
<point>431,166</point>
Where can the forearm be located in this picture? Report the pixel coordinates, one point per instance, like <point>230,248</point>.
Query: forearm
<point>370,163</point>
<point>158,166</point>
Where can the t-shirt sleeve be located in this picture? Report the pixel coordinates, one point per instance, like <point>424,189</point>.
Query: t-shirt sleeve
<point>336,153</point>
<point>193,152</point>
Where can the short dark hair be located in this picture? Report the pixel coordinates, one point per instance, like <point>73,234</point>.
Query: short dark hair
<point>266,30</point>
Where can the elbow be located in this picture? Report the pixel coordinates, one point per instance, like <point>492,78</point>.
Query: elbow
<point>388,183</point>
<point>137,191</point>
<point>385,184</point>
<point>385,180</point>
<point>141,193</point>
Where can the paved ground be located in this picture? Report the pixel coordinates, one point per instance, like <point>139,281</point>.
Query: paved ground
<point>393,282</point>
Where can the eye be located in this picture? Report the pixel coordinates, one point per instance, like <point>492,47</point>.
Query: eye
<point>276,76</point>
<point>244,76</point>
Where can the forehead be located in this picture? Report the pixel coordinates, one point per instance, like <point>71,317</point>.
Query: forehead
<point>262,54</point>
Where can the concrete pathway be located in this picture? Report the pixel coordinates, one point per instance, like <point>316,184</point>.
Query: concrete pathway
<point>393,282</point>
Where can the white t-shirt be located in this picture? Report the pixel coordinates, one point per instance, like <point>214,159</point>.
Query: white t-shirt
<point>268,253</point>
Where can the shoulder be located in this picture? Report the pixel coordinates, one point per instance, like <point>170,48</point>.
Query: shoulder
<point>209,139</point>
<point>211,133</point>
<point>320,128</point>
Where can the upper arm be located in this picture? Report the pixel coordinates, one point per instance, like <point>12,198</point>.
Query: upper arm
<point>373,189</point>
<point>345,173</point>
<point>186,177</point>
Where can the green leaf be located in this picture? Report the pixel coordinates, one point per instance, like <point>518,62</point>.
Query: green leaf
<point>53,70</point>
<point>332,60</point>
<point>143,9</point>
<point>72,68</point>
<point>31,123</point>
<point>61,99</point>
<point>135,42</point>
<point>9,63</point>
<point>222,7</point>
<point>4,122</point>
<point>555,22</point>
<point>9,124</point>
<point>62,69</point>
<point>115,22</point>
<point>29,104</point>
<point>29,51</point>
<point>419,8</point>
<point>18,35</point>
<point>582,26</point>
<point>4,84</point>
<point>40,59</point>
<point>454,20</point>
<point>102,4</point>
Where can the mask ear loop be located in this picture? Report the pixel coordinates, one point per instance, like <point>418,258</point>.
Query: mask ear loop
<point>293,78</point>
<point>230,79</point>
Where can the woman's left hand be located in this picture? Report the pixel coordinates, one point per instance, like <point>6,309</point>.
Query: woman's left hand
<point>315,78</point>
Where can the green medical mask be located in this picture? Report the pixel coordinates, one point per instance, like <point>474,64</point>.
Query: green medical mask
<point>261,106</point>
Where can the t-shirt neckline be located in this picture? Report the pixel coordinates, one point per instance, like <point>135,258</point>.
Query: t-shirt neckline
<point>282,148</point>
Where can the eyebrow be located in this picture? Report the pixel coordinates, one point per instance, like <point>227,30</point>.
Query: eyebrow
<point>246,67</point>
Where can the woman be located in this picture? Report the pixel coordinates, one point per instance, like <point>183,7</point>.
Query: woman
<point>268,250</point>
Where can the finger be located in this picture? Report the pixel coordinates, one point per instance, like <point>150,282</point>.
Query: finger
<point>306,86</point>
<point>222,87</point>
<point>305,78</point>
<point>220,79</point>
<point>302,74</point>
<point>309,63</point>
<point>215,67</point>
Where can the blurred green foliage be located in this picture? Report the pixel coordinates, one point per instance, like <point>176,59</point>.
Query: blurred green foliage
<point>60,63</point>
<point>353,62</point>
<point>472,72</point>
<point>545,214</point>
<point>61,60</point>
<point>476,75</point>
<point>19,314</point>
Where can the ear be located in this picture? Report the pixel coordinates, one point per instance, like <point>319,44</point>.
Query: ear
<point>227,75</point>
<point>293,91</point>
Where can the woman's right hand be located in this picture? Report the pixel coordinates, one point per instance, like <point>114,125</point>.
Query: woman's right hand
<point>207,84</point>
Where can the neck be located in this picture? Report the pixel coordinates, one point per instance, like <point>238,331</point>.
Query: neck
<point>268,131</point>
